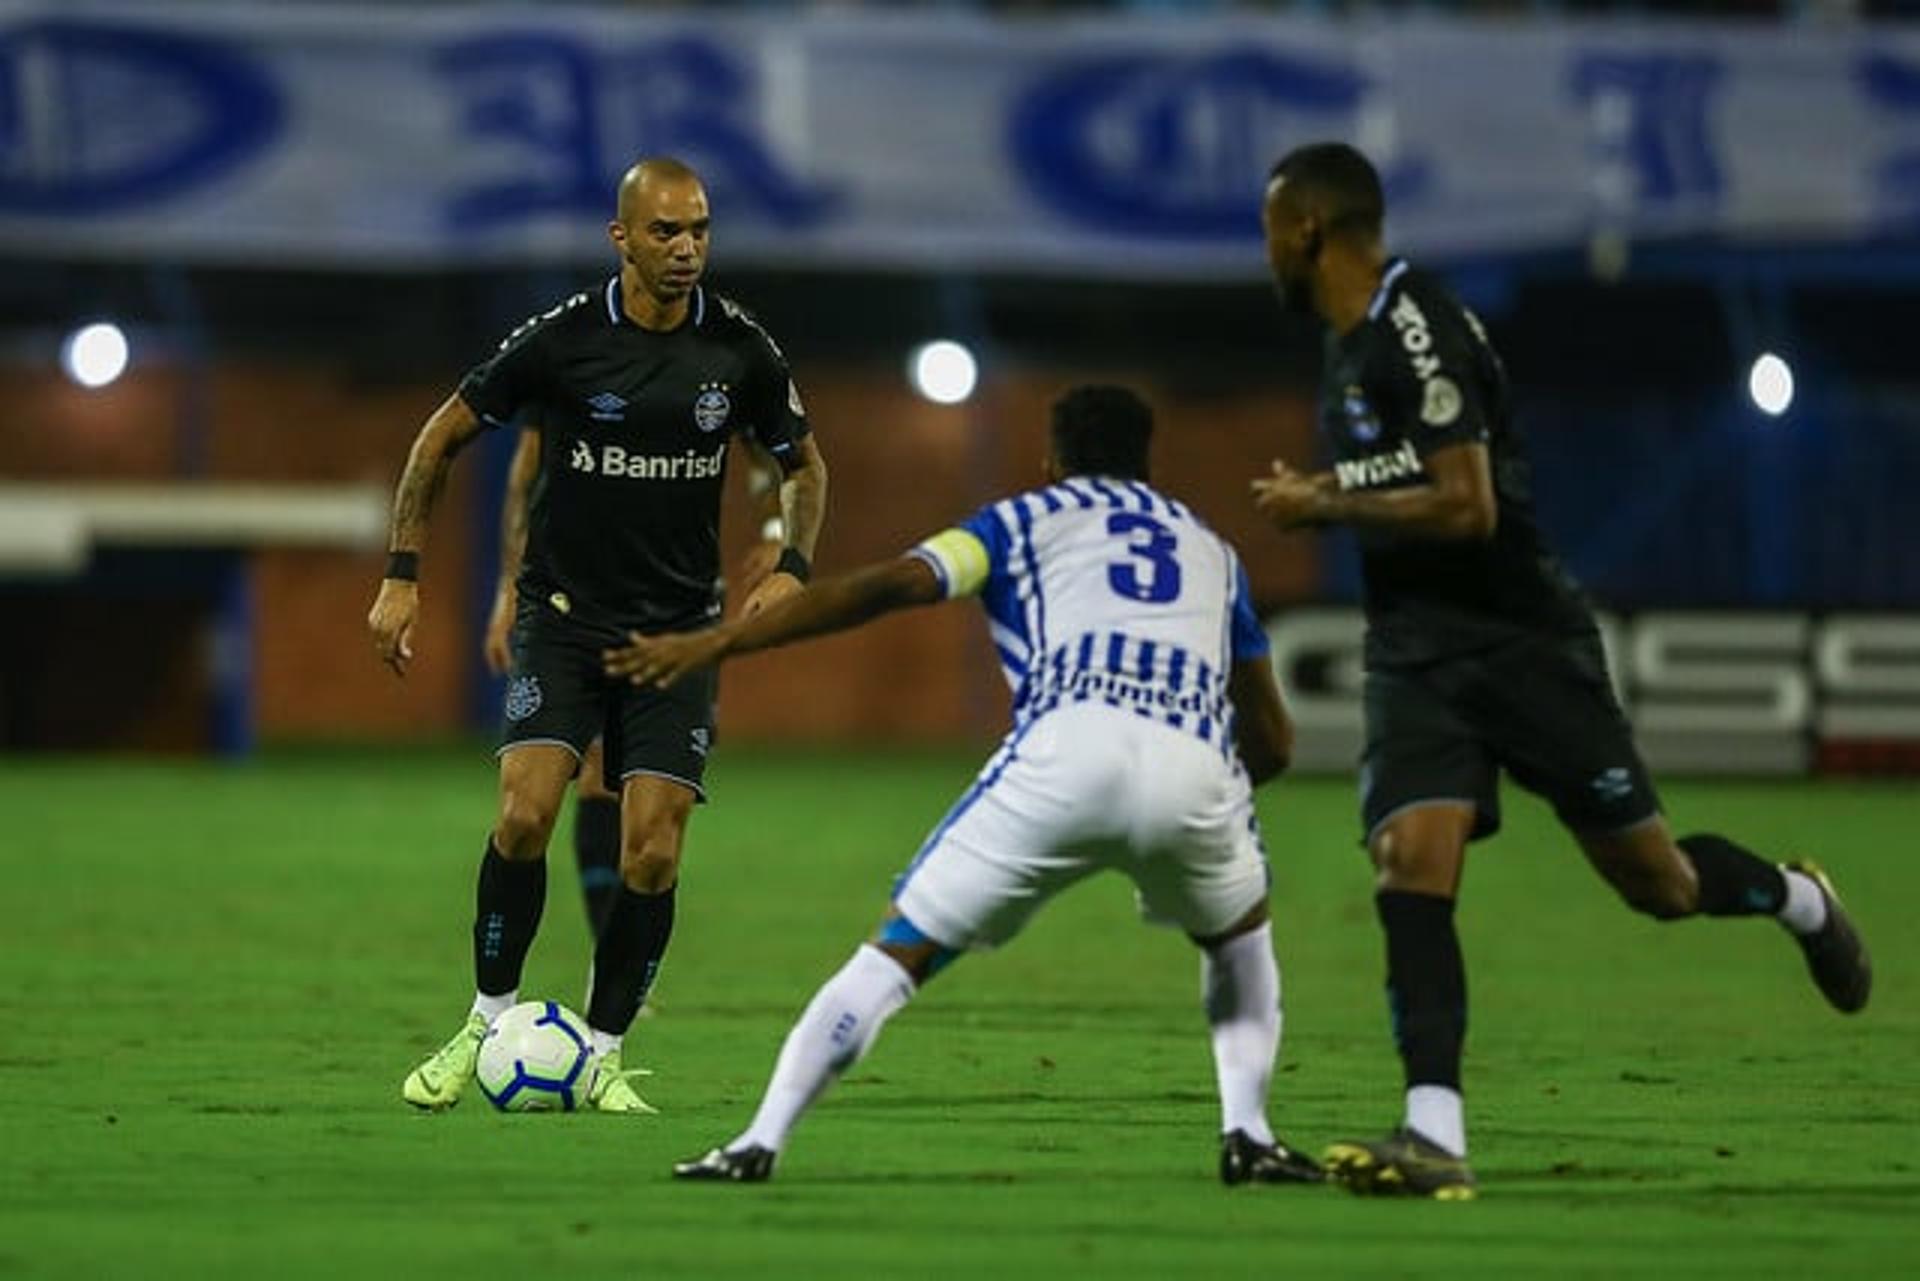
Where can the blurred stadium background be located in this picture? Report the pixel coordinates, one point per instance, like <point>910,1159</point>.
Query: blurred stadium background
<point>246,247</point>
<point>1691,228</point>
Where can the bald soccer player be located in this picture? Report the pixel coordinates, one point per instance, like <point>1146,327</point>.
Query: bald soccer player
<point>639,385</point>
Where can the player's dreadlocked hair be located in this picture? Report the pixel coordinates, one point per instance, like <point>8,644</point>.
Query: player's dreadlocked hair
<point>1336,181</point>
<point>1102,431</point>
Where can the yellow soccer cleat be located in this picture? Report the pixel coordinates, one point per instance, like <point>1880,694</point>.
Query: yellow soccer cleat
<point>1405,1163</point>
<point>436,1084</point>
<point>610,1091</point>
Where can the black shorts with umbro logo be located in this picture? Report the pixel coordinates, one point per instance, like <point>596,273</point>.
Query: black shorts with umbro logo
<point>557,693</point>
<point>1539,706</point>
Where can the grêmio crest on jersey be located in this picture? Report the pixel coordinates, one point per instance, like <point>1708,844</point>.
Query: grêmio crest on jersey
<point>1362,421</point>
<point>711,407</point>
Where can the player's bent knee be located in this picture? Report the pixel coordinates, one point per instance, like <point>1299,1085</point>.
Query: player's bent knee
<point>1423,867</point>
<point>1253,920</point>
<point>524,827</point>
<point>911,948</point>
<point>651,866</point>
<point>1661,899</point>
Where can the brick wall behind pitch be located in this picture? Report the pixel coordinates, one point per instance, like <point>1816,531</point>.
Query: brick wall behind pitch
<point>900,468</point>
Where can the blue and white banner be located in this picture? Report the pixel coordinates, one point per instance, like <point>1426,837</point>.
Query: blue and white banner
<point>297,134</point>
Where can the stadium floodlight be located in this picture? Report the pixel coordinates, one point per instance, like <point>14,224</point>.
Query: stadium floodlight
<point>94,355</point>
<point>1770,384</point>
<point>943,371</point>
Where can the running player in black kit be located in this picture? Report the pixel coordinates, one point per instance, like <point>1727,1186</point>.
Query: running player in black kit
<point>1481,656</point>
<point>640,384</point>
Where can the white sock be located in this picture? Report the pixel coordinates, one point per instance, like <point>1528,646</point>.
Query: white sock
<point>1806,907</point>
<point>1240,991</point>
<point>837,1027</point>
<point>1439,1114</point>
<point>602,1042</point>
<point>492,1007</point>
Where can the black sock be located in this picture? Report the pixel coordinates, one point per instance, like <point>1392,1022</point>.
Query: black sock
<point>596,848</point>
<point>628,957</point>
<point>1734,881</point>
<point>1426,985</point>
<point>506,916</point>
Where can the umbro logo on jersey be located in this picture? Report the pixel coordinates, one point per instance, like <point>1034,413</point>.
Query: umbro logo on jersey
<point>606,407</point>
<point>1378,469</point>
<point>1614,784</point>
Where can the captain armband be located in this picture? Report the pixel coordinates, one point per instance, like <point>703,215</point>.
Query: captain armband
<point>959,558</point>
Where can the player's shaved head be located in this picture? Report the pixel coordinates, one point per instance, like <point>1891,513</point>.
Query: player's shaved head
<point>1101,431</point>
<point>1323,219</point>
<point>660,227</point>
<point>643,177</point>
<point>1332,184</point>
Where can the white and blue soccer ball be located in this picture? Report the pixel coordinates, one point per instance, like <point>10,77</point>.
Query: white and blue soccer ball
<point>535,1058</point>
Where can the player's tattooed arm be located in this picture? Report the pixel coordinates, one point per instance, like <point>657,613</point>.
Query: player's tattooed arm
<point>833,605</point>
<point>763,476</point>
<point>803,497</point>
<point>394,609</point>
<point>803,506</point>
<point>1455,503</point>
<point>445,434</point>
<point>514,506</point>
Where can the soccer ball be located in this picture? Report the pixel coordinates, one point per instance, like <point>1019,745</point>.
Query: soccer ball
<point>534,1059</point>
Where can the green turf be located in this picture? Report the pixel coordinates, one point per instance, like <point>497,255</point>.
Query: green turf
<point>216,977</point>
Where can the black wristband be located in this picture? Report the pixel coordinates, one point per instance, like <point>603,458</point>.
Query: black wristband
<point>404,566</point>
<point>792,562</point>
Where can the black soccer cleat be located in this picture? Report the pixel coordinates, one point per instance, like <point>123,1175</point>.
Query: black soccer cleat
<point>1405,1163</point>
<point>1246,1160</point>
<point>742,1165</point>
<point>1835,953</point>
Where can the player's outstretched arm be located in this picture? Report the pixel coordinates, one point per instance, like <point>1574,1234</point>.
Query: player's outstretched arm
<point>1456,503</point>
<point>394,609</point>
<point>521,473</point>
<point>833,605</point>
<point>1263,732</point>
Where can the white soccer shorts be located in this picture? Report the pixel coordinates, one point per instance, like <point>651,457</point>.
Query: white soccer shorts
<point>1083,788</point>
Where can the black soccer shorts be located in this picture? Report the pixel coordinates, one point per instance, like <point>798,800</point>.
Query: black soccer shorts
<point>1539,707</point>
<point>557,693</point>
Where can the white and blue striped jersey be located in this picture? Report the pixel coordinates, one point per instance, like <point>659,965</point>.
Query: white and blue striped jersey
<point>1099,589</point>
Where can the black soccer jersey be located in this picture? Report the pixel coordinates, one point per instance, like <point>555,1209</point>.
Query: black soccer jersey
<point>624,531</point>
<point>1415,376</point>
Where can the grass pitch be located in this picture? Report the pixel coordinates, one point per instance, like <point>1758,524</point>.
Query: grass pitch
<point>217,976</point>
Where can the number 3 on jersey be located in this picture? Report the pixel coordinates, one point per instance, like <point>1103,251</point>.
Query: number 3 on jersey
<point>1151,574</point>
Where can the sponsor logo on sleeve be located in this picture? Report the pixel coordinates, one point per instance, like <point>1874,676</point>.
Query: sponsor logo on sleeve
<point>1440,402</point>
<point>1376,470</point>
<point>1440,397</point>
